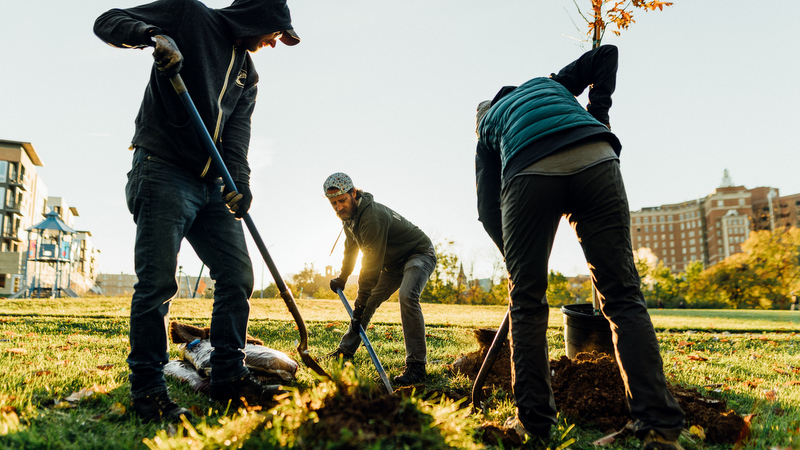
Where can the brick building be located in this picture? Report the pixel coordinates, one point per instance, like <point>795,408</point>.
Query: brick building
<point>712,228</point>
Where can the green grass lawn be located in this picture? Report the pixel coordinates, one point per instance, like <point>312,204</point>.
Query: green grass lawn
<point>64,377</point>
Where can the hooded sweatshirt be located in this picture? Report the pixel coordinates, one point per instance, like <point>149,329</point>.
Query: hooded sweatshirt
<point>220,77</point>
<point>386,240</point>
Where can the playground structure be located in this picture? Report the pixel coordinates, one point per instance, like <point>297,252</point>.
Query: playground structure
<point>48,259</point>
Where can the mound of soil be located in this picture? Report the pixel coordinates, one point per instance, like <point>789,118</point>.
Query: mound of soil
<point>589,389</point>
<point>354,420</point>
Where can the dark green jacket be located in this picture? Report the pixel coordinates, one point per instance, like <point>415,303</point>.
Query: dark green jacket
<point>537,119</point>
<point>385,239</point>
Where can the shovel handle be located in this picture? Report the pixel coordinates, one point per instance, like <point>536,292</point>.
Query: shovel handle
<point>488,361</point>
<point>216,159</point>
<point>367,344</point>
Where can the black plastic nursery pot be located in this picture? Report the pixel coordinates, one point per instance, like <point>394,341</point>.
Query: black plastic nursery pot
<point>584,331</point>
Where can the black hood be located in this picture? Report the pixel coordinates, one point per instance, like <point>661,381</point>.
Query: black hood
<point>256,17</point>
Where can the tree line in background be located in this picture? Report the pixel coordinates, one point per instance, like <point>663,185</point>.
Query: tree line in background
<point>765,275</point>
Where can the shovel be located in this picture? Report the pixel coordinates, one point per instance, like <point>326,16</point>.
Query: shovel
<point>488,361</point>
<point>367,344</point>
<point>286,294</point>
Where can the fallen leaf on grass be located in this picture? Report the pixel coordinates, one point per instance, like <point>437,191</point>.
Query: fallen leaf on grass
<point>105,366</point>
<point>771,395</point>
<point>17,351</point>
<point>685,344</point>
<point>696,358</point>
<point>42,372</point>
<point>86,393</point>
<point>697,431</point>
<point>792,383</point>
<point>745,432</point>
<point>755,356</point>
<point>118,409</point>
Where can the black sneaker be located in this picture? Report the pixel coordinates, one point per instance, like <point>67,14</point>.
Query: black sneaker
<point>245,391</point>
<point>339,353</point>
<point>414,373</point>
<point>159,407</point>
<point>654,441</point>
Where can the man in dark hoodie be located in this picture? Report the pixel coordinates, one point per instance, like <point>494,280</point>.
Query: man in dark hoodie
<point>395,255</point>
<point>174,192</point>
<point>540,155</point>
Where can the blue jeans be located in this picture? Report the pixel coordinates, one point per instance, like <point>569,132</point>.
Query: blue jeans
<point>411,281</point>
<point>169,204</point>
<point>595,203</point>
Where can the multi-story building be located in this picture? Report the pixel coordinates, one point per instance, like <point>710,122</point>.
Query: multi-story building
<point>23,204</point>
<point>712,228</point>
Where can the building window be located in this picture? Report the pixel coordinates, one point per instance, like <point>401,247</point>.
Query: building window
<point>741,202</point>
<point>672,243</point>
<point>691,234</point>
<point>691,242</point>
<point>646,228</point>
<point>720,203</point>
<point>670,227</point>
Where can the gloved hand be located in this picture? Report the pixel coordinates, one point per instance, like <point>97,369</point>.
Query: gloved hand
<point>358,312</point>
<point>337,283</point>
<point>169,59</point>
<point>238,201</point>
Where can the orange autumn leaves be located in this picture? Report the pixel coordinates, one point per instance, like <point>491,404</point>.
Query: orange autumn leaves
<point>618,14</point>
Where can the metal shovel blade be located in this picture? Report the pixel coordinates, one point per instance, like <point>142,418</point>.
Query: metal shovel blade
<point>488,362</point>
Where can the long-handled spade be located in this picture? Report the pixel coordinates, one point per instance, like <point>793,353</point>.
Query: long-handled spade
<point>488,362</point>
<point>286,294</point>
<point>367,344</point>
<point>497,344</point>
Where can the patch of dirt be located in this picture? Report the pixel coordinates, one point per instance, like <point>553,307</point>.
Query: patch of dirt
<point>356,420</point>
<point>590,390</point>
<point>470,364</point>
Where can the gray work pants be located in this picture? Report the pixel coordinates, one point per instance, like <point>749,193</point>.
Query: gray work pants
<point>595,203</point>
<point>410,281</point>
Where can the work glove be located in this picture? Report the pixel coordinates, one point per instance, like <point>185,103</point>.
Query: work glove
<point>358,312</point>
<point>169,59</point>
<point>337,283</point>
<point>238,201</point>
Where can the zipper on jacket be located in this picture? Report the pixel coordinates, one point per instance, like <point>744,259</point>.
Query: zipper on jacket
<point>219,107</point>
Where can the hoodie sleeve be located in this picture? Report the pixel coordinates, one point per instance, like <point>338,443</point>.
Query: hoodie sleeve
<point>236,134</point>
<point>133,27</point>
<point>350,256</point>
<point>373,249</point>
<point>487,180</point>
<point>596,68</point>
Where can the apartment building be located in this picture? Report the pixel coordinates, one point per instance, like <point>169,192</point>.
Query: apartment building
<point>24,203</point>
<point>711,228</point>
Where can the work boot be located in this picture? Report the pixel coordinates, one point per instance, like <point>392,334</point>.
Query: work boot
<point>159,407</point>
<point>339,353</point>
<point>654,441</point>
<point>414,373</point>
<point>245,391</point>
<point>513,423</point>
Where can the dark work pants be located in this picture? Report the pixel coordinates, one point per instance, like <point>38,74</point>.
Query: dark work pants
<point>596,206</point>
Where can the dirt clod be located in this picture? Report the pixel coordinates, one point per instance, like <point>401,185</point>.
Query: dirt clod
<point>589,390</point>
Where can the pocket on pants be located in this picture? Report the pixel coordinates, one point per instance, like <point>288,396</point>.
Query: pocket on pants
<point>132,186</point>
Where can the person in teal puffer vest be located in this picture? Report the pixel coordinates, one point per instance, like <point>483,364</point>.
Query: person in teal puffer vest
<point>541,156</point>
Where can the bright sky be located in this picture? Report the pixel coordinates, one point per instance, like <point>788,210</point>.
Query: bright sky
<point>386,91</point>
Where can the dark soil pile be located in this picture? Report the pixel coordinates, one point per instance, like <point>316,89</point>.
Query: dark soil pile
<point>589,389</point>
